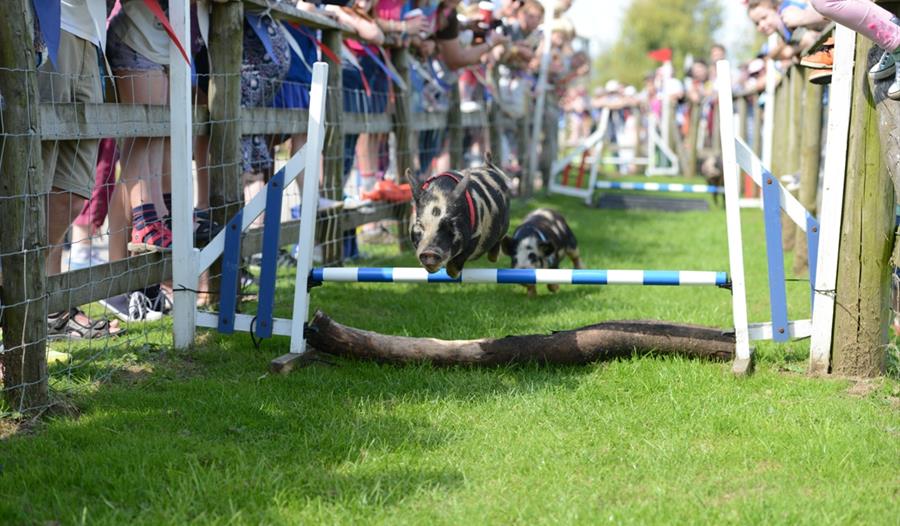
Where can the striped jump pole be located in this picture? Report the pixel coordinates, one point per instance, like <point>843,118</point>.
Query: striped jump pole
<point>522,276</point>
<point>660,187</point>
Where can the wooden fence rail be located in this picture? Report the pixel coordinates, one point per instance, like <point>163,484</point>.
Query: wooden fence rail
<point>25,124</point>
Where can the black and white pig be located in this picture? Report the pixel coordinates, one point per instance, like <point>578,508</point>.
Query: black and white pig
<point>460,215</point>
<point>542,241</point>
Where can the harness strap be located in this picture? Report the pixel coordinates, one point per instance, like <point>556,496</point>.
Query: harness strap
<point>456,179</point>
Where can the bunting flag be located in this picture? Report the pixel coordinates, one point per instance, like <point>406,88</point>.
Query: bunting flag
<point>319,44</point>
<point>160,14</point>
<point>49,15</point>
<point>295,46</point>
<point>351,59</point>
<point>388,71</point>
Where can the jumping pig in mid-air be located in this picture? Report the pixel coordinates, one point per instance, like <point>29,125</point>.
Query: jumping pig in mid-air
<point>542,241</point>
<point>459,216</point>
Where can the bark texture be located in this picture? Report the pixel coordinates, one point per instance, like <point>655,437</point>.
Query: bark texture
<point>595,343</point>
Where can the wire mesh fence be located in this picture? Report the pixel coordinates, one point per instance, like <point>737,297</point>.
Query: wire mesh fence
<point>85,203</point>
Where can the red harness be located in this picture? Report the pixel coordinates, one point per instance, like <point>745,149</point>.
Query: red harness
<point>456,179</point>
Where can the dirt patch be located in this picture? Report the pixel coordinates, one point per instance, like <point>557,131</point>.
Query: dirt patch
<point>864,387</point>
<point>133,374</point>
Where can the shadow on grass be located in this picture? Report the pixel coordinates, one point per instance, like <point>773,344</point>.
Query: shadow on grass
<point>190,430</point>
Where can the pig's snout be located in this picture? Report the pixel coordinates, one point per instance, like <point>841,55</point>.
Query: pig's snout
<point>430,260</point>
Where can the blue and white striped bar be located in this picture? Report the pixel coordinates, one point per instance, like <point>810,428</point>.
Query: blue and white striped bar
<point>660,187</point>
<point>674,278</point>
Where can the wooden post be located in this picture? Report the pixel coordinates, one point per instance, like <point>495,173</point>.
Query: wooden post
<point>689,164</point>
<point>550,143</point>
<point>404,136</point>
<point>226,30</point>
<point>455,130</point>
<point>780,130</point>
<point>23,364</point>
<point>863,284</point>
<point>715,137</point>
<point>495,135</point>
<point>742,117</point>
<point>810,154</point>
<point>331,236</point>
<point>757,126</point>
<point>791,166</point>
<point>523,127</point>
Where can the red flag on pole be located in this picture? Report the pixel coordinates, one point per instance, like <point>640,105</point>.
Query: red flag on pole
<point>661,55</point>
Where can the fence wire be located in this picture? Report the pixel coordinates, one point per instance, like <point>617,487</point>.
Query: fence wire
<point>98,196</point>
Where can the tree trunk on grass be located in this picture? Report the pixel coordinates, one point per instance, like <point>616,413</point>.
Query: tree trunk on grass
<point>595,343</point>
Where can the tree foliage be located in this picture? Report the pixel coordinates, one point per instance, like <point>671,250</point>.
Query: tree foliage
<point>686,26</point>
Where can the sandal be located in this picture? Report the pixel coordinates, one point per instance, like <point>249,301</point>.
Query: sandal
<point>154,237</point>
<point>66,324</point>
<point>206,228</point>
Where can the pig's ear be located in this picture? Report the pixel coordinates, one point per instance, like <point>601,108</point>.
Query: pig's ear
<point>461,187</point>
<point>488,158</point>
<point>413,184</point>
<point>508,245</point>
<point>545,248</point>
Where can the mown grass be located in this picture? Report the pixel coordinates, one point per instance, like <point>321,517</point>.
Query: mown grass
<point>208,437</point>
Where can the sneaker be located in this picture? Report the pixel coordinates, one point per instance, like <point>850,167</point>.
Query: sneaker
<point>154,237</point>
<point>133,307</point>
<point>247,279</point>
<point>894,89</point>
<point>205,228</point>
<point>159,300</point>
<point>823,59</point>
<point>886,65</point>
<point>821,76</point>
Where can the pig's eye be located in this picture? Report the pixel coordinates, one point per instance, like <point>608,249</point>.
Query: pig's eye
<point>436,212</point>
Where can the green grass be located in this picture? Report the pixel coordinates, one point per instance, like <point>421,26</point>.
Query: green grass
<point>162,437</point>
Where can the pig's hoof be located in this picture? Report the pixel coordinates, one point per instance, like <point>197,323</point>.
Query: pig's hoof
<point>553,288</point>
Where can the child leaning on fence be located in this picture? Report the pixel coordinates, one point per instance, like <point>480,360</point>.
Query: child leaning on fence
<point>875,23</point>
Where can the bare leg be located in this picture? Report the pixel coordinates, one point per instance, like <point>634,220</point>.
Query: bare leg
<point>62,209</point>
<point>141,159</point>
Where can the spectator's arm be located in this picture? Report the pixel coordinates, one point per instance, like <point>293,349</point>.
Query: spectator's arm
<point>796,17</point>
<point>368,30</point>
<point>455,56</point>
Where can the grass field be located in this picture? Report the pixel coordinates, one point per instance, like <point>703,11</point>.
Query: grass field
<point>208,437</point>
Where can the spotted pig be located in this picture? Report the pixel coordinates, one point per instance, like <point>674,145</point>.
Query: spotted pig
<point>542,241</point>
<point>459,216</point>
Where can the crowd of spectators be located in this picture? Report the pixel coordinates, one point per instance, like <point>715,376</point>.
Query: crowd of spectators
<point>118,51</point>
<point>795,27</point>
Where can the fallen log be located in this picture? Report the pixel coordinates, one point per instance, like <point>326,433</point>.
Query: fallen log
<point>595,343</point>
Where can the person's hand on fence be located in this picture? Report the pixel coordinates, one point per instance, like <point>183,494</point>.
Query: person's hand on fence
<point>794,17</point>
<point>417,25</point>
